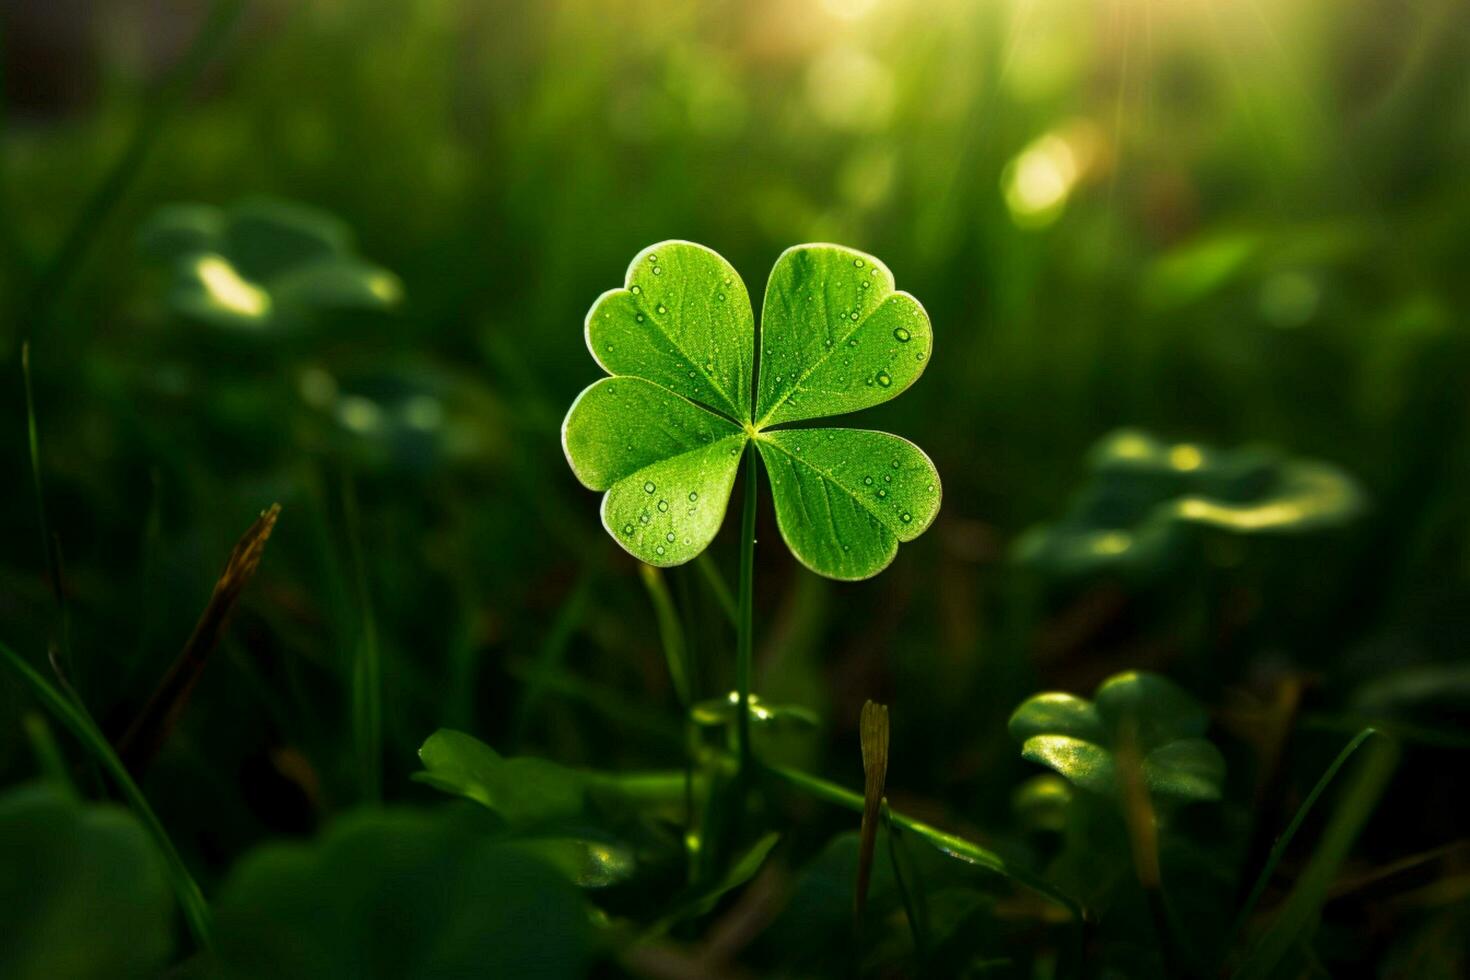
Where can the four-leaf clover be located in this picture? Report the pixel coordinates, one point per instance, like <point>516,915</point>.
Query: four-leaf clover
<point>664,435</point>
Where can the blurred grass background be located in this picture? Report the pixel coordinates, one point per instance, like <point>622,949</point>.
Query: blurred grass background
<point>1230,223</point>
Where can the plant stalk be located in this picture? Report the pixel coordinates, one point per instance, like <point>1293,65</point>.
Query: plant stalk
<point>745,625</point>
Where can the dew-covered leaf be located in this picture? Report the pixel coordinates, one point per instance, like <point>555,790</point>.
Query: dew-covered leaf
<point>682,320</point>
<point>714,712</point>
<point>84,891</point>
<point>835,335</point>
<point>393,893</point>
<point>666,464</point>
<point>846,498</point>
<point>663,436</point>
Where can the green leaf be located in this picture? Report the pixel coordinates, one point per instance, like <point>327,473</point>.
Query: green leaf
<point>835,335</point>
<point>1086,764</point>
<point>1056,713</point>
<point>262,265</point>
<point>664,435</point>
<point>846,498</point>
<point>392,893</point>
<point>266,237</point>
<point>1148,499</point>
<point>1157,708</point>
<point>177,230</point>
<point>1191,768</point>
<point>525,792</point>
<point>1148,713</point>
<point>667,465</point>
<point>85,892</point>
<point>682,320</point>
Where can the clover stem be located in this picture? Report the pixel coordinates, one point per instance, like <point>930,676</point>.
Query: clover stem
<point>745,624</point>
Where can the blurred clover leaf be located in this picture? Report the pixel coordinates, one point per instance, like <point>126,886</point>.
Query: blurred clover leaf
<point>84,890</point>
<point>262,264</point>
<point>1146,497</point>
<point>664,435</point>
<point>1137,713</point>
<point>398,893</point>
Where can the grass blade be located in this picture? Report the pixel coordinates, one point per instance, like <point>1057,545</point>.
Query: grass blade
<point>1284,841</point>
<point>76,720</point>
<point>1298,917</point>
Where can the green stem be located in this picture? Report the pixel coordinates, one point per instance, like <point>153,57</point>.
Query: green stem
<point>745,626</point>
<point>955,847</point>
<point>75,719</point>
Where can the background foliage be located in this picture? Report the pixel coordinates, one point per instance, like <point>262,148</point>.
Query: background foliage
<point>1222,224</point>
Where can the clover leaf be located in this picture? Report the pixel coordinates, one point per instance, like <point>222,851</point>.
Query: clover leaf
<point>1146,498</point>
<point>1164,726</point>
<point>664,435</point>
<point>262,264</point>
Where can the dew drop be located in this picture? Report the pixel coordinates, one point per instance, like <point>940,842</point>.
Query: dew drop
<point>644,517</point>
<point>882,492</point>
<point>663,506</point>
<point>853,316</point>
<point>901,334</point>
<point>669,537</point>
<point>659,549</point>
<point>639,317</point>
<point>883,378</point>
<point>693,496</point>
<point>906,517</point>
<point>863,284</point>
<point>887,478</point>
<point>894,464</point>
<point>661,308</point>
<point>919,356</point>
<point>852,341</point>
<point>868,480</point>
<point>627,529</point>
<point>648,487</point>
<point>693,375</point>
<point>636,289</point>
<point>931,488</point>
<point>652,259</point>
<point>859,263</point>
<point>658,270</point>
<point>720,297</point>
<point>686,542</point>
